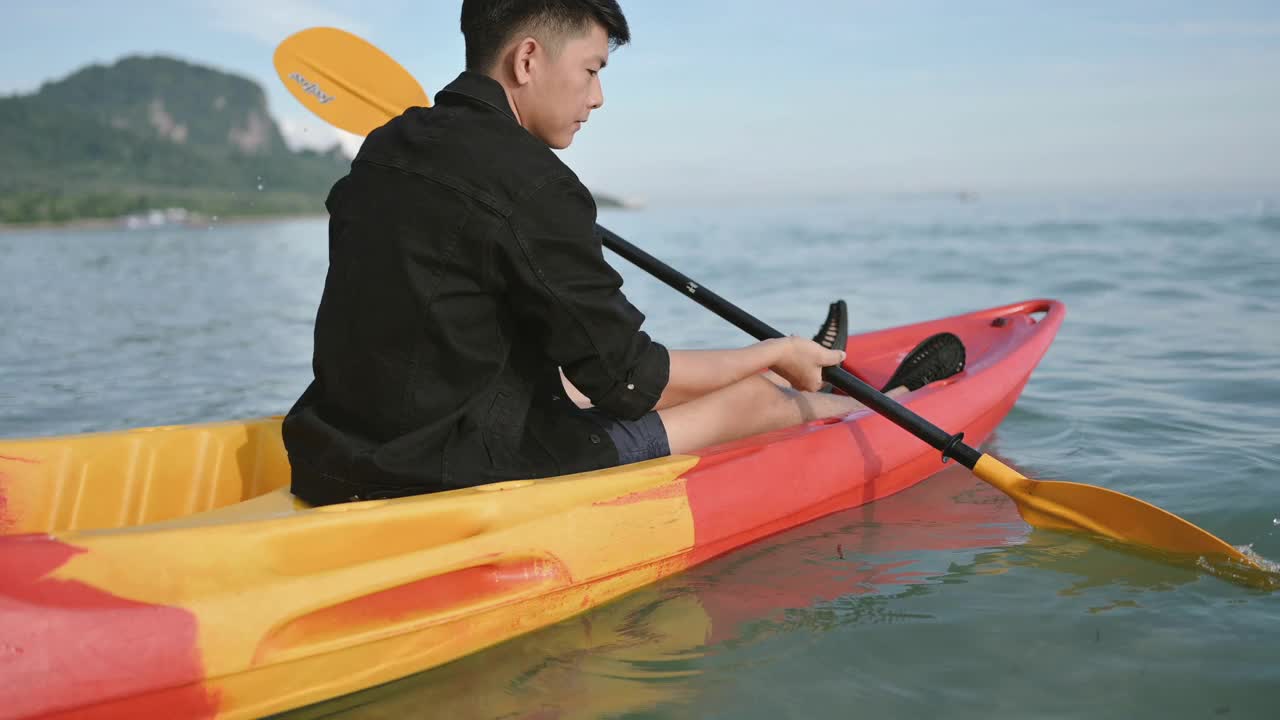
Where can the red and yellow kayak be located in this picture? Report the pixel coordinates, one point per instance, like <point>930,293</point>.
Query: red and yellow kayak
<point>167,572</point>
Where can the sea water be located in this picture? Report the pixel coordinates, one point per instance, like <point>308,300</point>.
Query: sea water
<point>1163,383</point>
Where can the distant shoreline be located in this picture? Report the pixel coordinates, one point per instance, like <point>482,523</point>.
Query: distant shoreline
<point>118,223</point>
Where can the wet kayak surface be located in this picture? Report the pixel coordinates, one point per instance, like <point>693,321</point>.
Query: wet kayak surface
<point>1162,383</point>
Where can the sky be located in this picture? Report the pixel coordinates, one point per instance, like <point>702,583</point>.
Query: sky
<point>805,98</point>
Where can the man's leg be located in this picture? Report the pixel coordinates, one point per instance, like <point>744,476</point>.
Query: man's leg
<point>749,407</point>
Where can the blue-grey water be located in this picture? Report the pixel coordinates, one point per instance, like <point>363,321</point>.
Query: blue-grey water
<point>1164,383</point>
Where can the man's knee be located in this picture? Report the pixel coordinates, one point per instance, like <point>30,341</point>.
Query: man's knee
<point>770,400</point>
<point>789,405</point>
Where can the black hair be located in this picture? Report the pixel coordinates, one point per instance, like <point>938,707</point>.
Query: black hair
<point>488,25</point>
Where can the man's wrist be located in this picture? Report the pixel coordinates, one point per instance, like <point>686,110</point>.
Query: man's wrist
<point>777,350</point>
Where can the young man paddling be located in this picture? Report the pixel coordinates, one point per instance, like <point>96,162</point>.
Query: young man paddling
<point>465,276</point>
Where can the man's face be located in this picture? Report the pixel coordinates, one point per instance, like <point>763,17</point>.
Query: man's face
<point>564,89</point>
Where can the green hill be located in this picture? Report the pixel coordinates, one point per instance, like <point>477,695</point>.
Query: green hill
<point>149,133</point>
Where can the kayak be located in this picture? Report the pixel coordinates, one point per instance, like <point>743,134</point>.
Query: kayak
<point>168,571</point>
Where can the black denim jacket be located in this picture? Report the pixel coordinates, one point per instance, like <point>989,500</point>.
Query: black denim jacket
<point>464,270</point>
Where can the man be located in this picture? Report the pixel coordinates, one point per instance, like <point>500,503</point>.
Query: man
<point>465,277</point>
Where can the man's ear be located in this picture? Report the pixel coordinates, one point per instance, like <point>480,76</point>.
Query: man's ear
<point>523,59</point>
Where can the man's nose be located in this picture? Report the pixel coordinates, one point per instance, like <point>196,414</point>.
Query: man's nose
<point>597,94</point>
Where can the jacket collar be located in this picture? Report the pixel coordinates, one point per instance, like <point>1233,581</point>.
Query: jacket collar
<point>481,88</point>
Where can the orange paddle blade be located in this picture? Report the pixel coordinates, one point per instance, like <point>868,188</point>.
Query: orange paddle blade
<point>1058,505</point>
<point>328,71</point>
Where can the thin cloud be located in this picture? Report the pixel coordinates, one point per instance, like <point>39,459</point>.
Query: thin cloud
<point>1229,29</point>
<point>1221,29</point>
<point>272,20</point>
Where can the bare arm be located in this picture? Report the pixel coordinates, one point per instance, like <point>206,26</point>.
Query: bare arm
<point>695,373</point>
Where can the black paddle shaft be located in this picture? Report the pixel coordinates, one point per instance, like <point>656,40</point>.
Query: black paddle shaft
<point>951,446</point>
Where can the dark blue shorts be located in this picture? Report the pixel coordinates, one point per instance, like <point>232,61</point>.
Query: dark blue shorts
<point>636,440</point>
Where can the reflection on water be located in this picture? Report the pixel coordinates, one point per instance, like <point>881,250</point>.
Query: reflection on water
<point>631,654</point>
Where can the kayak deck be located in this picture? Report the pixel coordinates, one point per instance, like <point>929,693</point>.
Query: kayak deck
<point>180,574</point>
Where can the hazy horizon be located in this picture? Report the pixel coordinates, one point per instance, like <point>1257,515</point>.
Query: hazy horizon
<point>820,99</point>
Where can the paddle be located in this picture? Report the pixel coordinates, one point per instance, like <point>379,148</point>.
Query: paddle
<point>373,89</point>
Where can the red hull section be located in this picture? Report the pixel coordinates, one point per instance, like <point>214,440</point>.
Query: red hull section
<point>800,475</point>
<point>59,653</point>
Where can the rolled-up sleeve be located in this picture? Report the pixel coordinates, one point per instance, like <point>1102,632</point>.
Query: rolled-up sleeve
<point>562,287</point>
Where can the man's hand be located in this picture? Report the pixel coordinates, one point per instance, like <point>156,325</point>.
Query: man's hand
<point>801,361</point>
